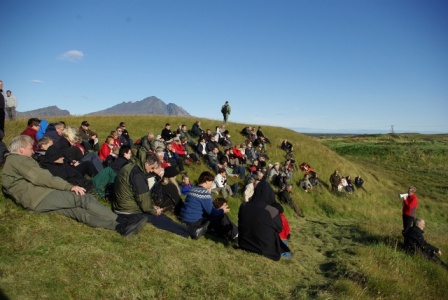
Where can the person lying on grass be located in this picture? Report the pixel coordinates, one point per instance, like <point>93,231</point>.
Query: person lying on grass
<point>36,189</point>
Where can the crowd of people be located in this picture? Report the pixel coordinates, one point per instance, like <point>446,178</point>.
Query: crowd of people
<point>140,179</point>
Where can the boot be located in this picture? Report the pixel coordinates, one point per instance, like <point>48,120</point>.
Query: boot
<point>129,226</point>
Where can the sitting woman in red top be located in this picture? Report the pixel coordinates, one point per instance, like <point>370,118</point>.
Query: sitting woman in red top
<point>106,149</point>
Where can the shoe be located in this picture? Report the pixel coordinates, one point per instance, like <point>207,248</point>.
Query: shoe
<point>196,233</point>
<point>132,227</point>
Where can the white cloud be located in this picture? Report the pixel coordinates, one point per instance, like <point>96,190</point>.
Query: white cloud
<point>37,81</point>
<point>72,55</point>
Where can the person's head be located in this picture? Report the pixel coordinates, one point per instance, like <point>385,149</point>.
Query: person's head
<point>167,125</point>
<point>59,127</point>
<point>206,179</point>
<point>150,136</point>
<point>119,130</point>
<point>122,125</point>
<point>185,179</point>
<point>222,171</point>
<point>277,165</point>
<point>176,140</point>
<point>169,146</point>
<point>8,93</point>
<point>125,151</point>
<point>44,143</point>
<point>22,145</point>
<point>288,188</point>
<point>219,202</point>
<point>160,155</point>
<point>151,163</point>
<point>412,190</point>
<point>215,150</point>
<point>1,84</point>
<point>34,122</point>
<point>208,131</point>
<point>198,122</point>
<point>110,141</point>
<point>336,172</point>
<point>420,223</point>
<point>71,134</point>
<point>85,125</point>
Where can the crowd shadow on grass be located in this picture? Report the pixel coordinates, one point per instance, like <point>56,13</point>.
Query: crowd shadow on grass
<point>341,240</point>
<point>3,295</point>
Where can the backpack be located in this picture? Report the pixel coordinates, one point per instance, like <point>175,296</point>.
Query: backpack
<point>224,109</point>
<point>161,198</point>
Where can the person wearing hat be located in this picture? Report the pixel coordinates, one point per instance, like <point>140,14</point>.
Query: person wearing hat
<point>225,110</point>
<point>132,195</point>
<point>88,137</point>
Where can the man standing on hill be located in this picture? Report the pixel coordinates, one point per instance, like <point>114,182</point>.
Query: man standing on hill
<point>11,104</point>
<point>225,110</point>
<point>2,108</point>
<point>410,204</point>
<point>335,178</point>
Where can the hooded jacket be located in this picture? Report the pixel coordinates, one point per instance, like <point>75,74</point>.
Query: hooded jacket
<point>259,224</point>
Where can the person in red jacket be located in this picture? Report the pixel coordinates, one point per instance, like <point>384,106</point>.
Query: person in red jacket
<point>106,148</point>
<point>410,204</point>
<point>31,130</point>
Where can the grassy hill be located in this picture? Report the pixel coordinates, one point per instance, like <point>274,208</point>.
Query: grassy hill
<point>347,247</point>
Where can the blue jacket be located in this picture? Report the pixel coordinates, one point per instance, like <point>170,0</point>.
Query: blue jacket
<point>198,205</point>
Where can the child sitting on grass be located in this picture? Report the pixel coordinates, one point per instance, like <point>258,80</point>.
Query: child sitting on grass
<point>185,185</point>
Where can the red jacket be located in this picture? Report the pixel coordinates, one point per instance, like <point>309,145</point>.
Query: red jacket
<point>285,230</point>
<point>410,205</point>
<point>104,151</point>
<point>31,132</point>
<point>179,148</point>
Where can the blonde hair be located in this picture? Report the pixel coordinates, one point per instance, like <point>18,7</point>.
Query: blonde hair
<point>71,134</point>
<point>412,189</point>
<point>171,180</point>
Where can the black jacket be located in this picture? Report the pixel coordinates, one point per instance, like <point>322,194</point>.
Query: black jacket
<point>259,224</point>
<point>414,241</point>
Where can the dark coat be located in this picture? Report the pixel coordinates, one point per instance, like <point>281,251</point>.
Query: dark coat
<point>414,241</point>
<point>259,224</point>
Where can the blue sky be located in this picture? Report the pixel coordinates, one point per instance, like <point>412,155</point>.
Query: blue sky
<point>313,65</point>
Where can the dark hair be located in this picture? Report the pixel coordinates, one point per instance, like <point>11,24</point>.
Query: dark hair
<point>221,170</point>
<point>205,176</point>
<point>219,202</point>
<point>33,122</point>
<point>123,150</point>
<point>151,158</point>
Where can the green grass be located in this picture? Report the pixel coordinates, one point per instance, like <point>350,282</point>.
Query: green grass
<point>346,247</point>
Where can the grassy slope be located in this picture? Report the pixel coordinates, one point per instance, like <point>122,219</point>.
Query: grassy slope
<point>347,247</point>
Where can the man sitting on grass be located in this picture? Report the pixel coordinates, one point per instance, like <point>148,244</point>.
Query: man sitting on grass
<point>36,189</point>
<point>415,242</point>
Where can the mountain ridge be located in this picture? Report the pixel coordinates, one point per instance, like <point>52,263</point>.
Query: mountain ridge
<point>148,106</point>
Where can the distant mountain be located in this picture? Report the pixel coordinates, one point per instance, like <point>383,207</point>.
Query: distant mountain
<point>50,111</point>
<point>148,106</point>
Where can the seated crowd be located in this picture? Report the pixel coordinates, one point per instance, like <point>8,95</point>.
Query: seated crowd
<point>143,188</point>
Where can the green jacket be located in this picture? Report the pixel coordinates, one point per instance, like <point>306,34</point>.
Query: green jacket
<point>27,182</point>
<point>131,191</point>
